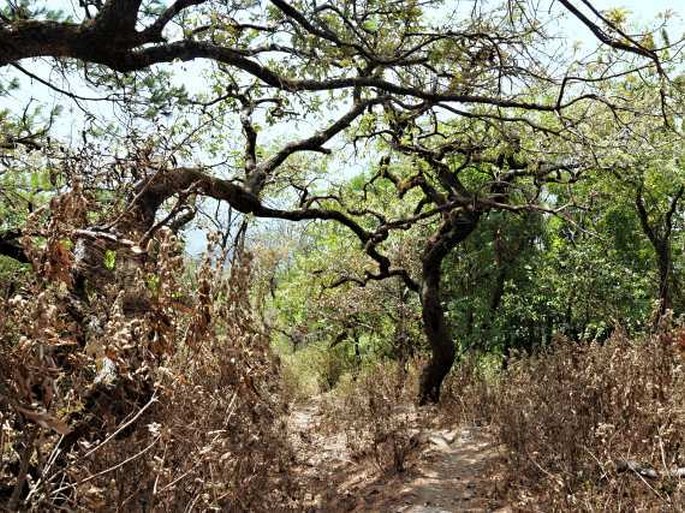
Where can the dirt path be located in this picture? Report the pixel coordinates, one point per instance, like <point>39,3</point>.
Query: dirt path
<point>449,472</point>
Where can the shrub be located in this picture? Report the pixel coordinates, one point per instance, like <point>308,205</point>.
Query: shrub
<point>575,416</point>
<point>113,408</point>
<point>375,410</point>
<point>469,392</point>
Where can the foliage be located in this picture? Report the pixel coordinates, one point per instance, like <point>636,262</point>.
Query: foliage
<point>468,184</point>
<point>324,329</point>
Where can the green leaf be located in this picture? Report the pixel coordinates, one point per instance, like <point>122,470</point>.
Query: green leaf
<point>110,260</point>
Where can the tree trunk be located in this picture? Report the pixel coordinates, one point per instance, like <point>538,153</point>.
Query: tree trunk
<point>659,235</point>
<point>438,334</point>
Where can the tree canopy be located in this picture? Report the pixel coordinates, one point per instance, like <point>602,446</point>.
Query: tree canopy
<point>465,170</point>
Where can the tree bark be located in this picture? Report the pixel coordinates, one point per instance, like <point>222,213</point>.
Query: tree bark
<point>12,248</point>
<point>663,256</point>
<point>454,230</point>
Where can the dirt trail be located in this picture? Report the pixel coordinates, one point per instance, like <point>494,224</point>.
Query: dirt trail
<point>448,474</point>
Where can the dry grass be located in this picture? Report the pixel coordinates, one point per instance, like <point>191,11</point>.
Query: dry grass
<point>568,415</point>
<point>468,394</point>
<point>375,411</point>
<point>172,407</point>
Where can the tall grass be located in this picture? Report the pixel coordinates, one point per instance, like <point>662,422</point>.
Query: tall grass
<point>586,427</point>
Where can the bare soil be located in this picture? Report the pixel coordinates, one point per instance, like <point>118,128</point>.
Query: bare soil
<point>451,470</point>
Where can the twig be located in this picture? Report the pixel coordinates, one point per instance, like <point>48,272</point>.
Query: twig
<point>179,478</point>
<point>23,471</point>
<point>56,451</point>
<point>638,474</point>
<point>546,472</point>
<point>605,473</point>
<point>663,452</point>
<point>154,487</point>
<point>110,437</point>
<point>110,469</point>
<point>122,427</point>
<point>190,506</point>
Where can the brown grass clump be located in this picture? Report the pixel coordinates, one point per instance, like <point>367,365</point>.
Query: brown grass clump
<point>596,427</point>
<point>469,392</point>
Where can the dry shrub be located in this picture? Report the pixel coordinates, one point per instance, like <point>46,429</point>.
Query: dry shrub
<point>468,392</point>
<point>376,411</point>
<point>568,414</point>
<point>156,395</point>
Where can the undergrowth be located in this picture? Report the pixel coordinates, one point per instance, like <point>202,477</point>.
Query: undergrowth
<point>586,427</point>
<point>157,388</point>
<point>153,394</point>
<point>375,410</point>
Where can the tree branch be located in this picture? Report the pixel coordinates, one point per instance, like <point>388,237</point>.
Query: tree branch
<point>27,39</point>
<point>117,19</point>
<point>316,141</point>
<point>634,47</point>
<point>671,212</point>
<point>644,217</point>
<point>154,31</point>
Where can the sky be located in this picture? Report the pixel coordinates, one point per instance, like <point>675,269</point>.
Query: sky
<point>642,12</point>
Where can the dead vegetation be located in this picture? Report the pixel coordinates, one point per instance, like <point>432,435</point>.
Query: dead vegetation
<point>375,410</point>
<point>114,409</point>
<point>157,389</point>
<point>586,427</point>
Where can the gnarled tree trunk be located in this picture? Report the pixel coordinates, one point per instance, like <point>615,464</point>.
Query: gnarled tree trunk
<point>454,230</point>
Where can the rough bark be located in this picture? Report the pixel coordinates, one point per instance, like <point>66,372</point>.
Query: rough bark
<point>454,230</point>
<point>663,255</point>
<point>11,247</point>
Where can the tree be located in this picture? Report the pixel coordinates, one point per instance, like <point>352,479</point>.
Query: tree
<point>392,74</point>
<point>659,234</point>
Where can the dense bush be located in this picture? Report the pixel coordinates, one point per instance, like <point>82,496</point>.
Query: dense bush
<point>175,405</point>
<point>587,427</point>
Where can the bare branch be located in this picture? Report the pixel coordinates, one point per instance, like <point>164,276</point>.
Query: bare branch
<point>634,47</point>
<point>154,31</point>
